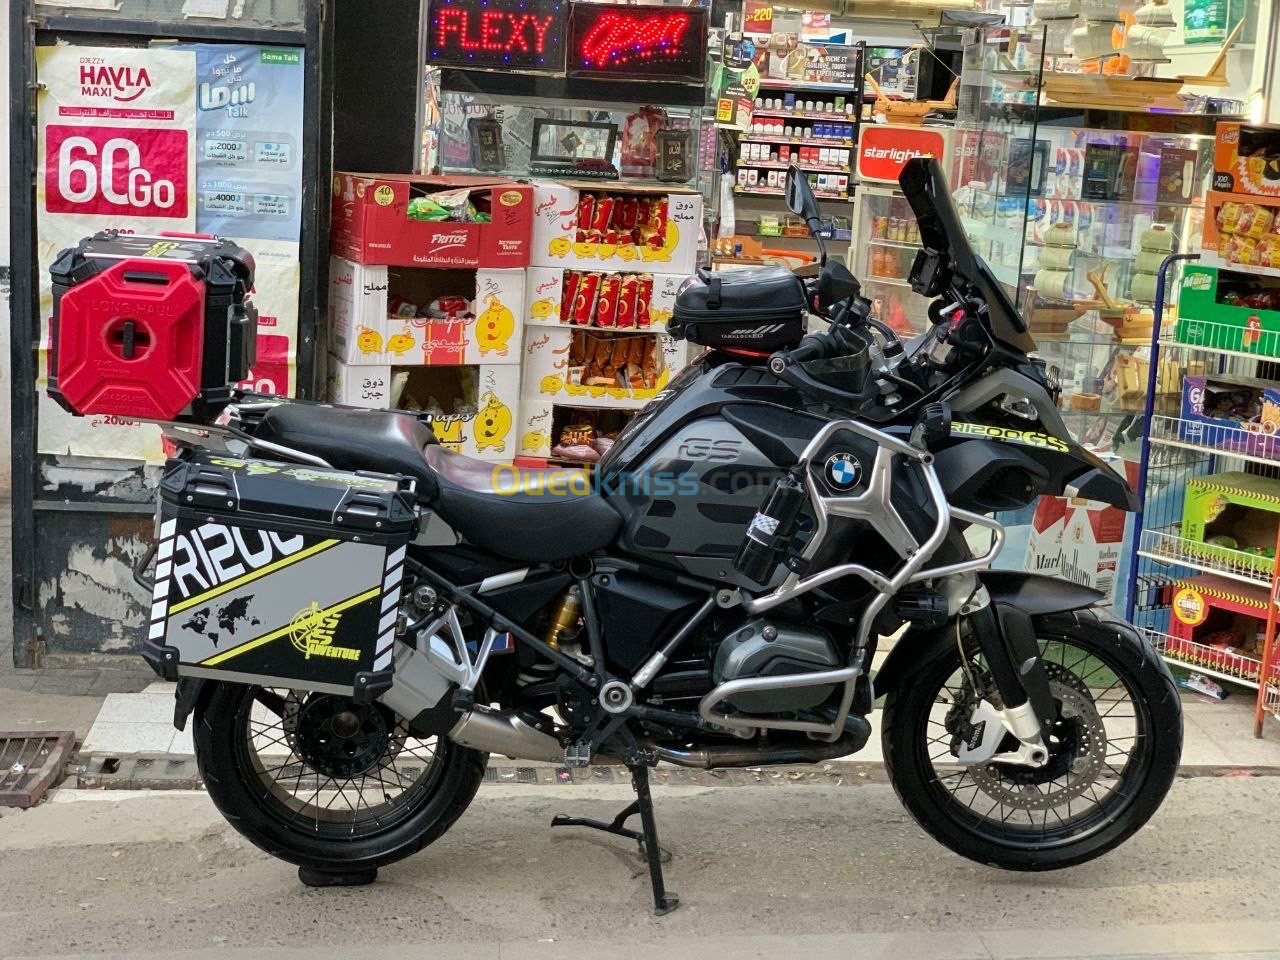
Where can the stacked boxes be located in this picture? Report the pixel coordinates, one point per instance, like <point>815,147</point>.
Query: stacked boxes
<point>606,265</point>
<point>427,314</point>
<point>1231,300</point>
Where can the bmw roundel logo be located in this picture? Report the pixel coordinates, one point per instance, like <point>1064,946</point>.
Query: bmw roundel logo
<point>843,471</point>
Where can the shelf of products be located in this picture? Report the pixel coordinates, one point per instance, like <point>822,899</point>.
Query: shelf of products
<point>835,141</point>
<point>1205,561</point>
<point>777,192</point>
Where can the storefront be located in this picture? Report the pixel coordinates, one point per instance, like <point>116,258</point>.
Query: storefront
<point>518,189</point>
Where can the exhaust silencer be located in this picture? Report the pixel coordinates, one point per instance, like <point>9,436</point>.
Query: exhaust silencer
<point>495,731</point>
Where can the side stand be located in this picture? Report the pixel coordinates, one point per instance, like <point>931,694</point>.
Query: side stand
<point>647,838</point>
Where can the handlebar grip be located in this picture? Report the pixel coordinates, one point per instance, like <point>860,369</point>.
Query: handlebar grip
<point>812,347</point>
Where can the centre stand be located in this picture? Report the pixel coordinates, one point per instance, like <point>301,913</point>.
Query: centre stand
<point>646,838</point>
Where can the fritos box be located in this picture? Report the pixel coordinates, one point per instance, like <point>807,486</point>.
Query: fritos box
<point>381,218</point>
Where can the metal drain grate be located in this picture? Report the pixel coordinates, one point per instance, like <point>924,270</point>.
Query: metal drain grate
<point>30,763</point>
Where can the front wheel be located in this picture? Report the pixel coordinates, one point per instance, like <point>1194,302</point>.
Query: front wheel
<point>1113,751</point>
<point>323,782</point>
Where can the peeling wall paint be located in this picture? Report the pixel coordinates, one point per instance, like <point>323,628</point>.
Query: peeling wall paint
<point>88,601</point>
<point>97,477</point>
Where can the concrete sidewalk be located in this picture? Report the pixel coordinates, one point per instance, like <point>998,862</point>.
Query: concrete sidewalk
<point>1217,734</point>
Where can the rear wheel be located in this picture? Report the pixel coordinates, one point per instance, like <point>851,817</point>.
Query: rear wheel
<point>323,782</point>
<point>1114,749</point>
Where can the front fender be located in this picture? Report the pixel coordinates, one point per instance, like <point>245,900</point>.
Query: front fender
<point>1030,593</point>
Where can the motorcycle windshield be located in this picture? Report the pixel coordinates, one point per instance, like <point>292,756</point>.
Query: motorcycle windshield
<point>925,187</point>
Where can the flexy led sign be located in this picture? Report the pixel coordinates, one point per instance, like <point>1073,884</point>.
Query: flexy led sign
<point>498,34</point>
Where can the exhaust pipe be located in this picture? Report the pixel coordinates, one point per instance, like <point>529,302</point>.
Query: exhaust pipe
<point>708,758</point>
<point>495,731</point>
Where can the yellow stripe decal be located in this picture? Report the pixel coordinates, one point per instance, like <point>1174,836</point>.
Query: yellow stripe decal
<point>253,575</point>
<point>274,634</point>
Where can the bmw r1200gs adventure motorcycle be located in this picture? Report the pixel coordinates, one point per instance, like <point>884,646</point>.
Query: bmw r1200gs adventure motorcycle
<point>713,597</point>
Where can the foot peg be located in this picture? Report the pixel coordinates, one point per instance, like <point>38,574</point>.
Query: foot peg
<point>646,838</point>
<point>312,877</point>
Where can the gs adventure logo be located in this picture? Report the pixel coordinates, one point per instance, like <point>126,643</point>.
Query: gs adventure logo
<point>312,630</point>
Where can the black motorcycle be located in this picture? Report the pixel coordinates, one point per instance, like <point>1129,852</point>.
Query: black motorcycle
<point>713,592</point>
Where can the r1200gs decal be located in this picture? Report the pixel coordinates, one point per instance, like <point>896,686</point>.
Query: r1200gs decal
<point>214,558</point>
<point>1029,438</point>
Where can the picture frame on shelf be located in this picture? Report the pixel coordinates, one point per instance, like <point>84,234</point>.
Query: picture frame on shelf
<point>574,148</point>
<point>673,156</point>
<point>484,136</point>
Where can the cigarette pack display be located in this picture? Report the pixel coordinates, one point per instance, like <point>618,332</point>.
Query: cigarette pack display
<point>281,573</point>
<point>150,327</point>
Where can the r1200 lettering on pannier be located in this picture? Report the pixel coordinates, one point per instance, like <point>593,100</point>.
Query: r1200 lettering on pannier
<point>279,573</point>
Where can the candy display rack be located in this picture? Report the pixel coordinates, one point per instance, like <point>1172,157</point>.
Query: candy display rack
<point>1185,560</point>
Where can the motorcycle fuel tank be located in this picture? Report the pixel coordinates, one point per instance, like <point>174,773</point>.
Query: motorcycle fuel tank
<point>689,473</point>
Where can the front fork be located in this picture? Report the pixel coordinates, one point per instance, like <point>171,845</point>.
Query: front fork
<point>1006,636</point>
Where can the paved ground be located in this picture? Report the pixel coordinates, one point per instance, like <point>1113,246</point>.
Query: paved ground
<point>811,871</point>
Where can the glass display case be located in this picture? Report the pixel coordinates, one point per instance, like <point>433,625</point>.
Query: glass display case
<point>1075,198</point>
<point>886,239</point>
<point>531,136</point>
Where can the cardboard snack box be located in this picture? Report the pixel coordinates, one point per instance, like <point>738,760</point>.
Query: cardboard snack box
<point>371,222</point>
<point>1224,310</point>
<point>1246,159</point>
<point>615,226</point>
<point>474,409</point>
<point>1231,519</point>
<point>1234,414</point>
<point>410,316</point>
<point>1216,623</point>
<point>599,368</point>
<point>557,297</point>
<point>1241,233</point>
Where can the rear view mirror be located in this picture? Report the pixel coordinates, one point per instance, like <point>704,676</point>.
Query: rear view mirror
<point>802,202</point>
<point>800,198</point>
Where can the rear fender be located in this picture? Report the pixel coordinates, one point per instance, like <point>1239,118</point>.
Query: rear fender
<point>1011,593</point>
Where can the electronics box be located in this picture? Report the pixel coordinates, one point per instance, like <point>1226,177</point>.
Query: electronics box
<point>278,573</point>
<point>371,222</point>
<point>150,327</point>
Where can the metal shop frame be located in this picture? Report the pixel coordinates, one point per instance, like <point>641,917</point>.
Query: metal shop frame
<point>35,511</point>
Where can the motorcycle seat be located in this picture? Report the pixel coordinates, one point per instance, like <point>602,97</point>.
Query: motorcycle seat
<point>522,514</point>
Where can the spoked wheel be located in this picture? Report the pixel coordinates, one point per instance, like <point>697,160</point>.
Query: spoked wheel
<point>1113,749</point>
<point>324,782</point>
